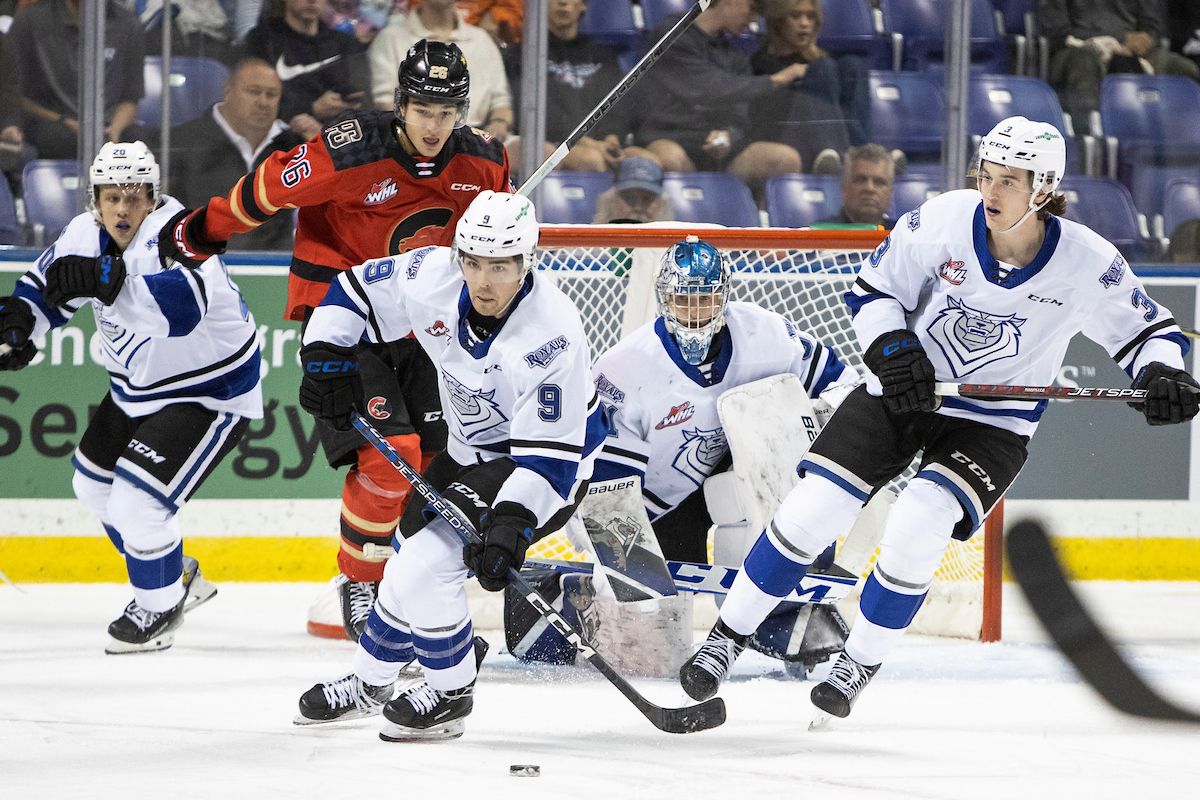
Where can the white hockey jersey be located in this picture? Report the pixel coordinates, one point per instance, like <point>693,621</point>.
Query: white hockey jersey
<point>172,335</point>
<point>935,276</point>
<point>662,411</point>
<point>526,391</point>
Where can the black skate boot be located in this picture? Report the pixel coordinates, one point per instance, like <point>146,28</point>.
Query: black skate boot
<point>701,675</point>
<point>357,600</point>
<point>344,698</point>
<point>424,714</point>
<point>139,630</point>
<point>836,694</point>
<point>199,590</point>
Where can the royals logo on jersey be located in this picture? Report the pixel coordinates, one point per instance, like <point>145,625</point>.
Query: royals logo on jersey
<point>971,338</point>
<point>475,409</point>
<point>700,453</point>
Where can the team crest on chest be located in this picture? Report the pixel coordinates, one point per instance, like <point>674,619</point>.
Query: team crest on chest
<point>971,338</point>
<point>475,409</point>
<point>700,453</point>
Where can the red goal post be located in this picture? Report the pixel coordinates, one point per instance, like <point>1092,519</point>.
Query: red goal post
<point>608,271</point>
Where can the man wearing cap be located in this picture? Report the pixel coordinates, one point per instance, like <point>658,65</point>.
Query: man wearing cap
<point>637,196</point>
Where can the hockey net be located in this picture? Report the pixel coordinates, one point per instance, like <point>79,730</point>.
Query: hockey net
<point>608,270</point>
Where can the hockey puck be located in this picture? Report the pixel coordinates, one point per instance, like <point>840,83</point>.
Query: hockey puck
<point>525,771</point>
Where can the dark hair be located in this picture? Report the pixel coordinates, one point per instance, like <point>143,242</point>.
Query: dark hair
<point>1185,242</point>
<point>1056,205</point>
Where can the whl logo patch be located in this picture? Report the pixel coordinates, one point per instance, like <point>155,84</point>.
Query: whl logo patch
<point>677,416</point>
<point>438,329</point>
<point>954,272</point>
<point>381,192</point>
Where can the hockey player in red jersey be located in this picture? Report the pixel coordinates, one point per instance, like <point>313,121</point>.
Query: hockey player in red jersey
<point>374,184</point>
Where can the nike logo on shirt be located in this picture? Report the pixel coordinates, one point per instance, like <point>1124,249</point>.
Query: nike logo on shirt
<point>287,72</point>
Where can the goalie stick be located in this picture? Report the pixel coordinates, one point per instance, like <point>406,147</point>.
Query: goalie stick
<point>620,90</point>
<point>689,719</point>
<point>1077,634</point>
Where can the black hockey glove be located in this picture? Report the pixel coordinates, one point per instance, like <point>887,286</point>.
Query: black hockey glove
<point>16,326</point>
<point>905,372</point>
<point>72,277</point>
<point>330,387</point>
<point>506,534</point>
<point>1172,395</point>
<point>183,240</point>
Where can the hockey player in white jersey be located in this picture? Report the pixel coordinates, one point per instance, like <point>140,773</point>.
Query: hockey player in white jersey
<point>984,286</point>
<point>182,356</point>
<point>524,427</point>
<point>660,387</point>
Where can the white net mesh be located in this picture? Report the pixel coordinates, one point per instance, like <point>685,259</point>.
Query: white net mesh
<point>785,272</point>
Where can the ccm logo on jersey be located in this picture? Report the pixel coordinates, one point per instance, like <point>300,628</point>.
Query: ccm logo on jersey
<point>1035,298</point>
<point>465,187</point>
<point>377,407</point>
<point>147,451</point>
<point>954,272</point>
<point>381,192</point>
<point>976,470</point>
<point>676,416</point>
<point>438,329</point>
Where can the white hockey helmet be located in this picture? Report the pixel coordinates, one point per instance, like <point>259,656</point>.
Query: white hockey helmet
<point>498,224</point>
<point>1025,144</point>
<point>124,164</point>
<point>695,270</point>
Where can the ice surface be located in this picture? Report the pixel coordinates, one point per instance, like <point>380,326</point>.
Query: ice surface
<point>211,718</point>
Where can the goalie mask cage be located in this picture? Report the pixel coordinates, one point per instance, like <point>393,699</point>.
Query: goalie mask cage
<point>608,271</point>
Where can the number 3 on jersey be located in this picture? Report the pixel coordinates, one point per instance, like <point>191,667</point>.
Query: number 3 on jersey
<point>549,402</point>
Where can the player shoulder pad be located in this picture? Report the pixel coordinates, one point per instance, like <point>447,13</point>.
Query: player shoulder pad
<point>362,138</point>
<point>479,143</point>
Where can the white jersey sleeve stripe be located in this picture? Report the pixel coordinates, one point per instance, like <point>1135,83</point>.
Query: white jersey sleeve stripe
<point>376,331</point>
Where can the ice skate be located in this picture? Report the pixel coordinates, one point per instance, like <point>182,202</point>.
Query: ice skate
<point>836,694</point>
<point>701,675</point>
<point>139,630</point>
<point>424,714</point>
<point>357,598</point>
<point>199,590</point>
<point>342,699</point>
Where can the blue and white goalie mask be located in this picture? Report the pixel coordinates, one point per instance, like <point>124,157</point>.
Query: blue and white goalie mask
<point>692,289</point>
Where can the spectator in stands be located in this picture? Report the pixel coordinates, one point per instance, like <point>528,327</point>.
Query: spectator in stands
<point>829,107</point>
<point>14,150</point>
<point>46,41</point>
<point>490,101</point>
<point>198,28</point>
<point>637,196</point>
<point>502,19</point>
<point>1091,38</point>
<point>581,73</point>
<point>696,102</point>
<point>867,183</point>
<point>1185,243</point>
<point>323,71</point>
<point>212,152</point>
<point>1183,22</point>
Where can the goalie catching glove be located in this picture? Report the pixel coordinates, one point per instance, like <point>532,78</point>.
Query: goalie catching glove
<point>507,533</point>
<point>330,386</point>
<point>16,326</point>
<point>904,371</point>
<point>1172,395</point>
<point>183,240</point>
<point>72,277</point>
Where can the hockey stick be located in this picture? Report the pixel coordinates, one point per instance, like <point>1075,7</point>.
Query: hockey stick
<point>1033,392</point>
<point>690,719</point>
<point>1059,609</point>
<point>620,90</point>
<point>815,588</point>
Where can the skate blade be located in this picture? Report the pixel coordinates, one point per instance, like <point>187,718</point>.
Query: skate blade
<point>820,720</point>
<point>438,733</point>
<point>351,715</point>
<point>116,647</point>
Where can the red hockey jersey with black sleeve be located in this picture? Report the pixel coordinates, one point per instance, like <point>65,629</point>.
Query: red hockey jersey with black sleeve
<point>360,196</point>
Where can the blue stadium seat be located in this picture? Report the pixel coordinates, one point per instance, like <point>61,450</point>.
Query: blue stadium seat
<point>1015,20</point>
<point>612,23</point>
<point>10,229</point>
<point>569,198</point>
<point>1181,202</point>
<point>849,27</point>
<point>1105,206</point>
<point>51,192</point>
<point>196,83</point>
<point>797,201</point>
<point>992,98</point>
<point>910,191</point>
<point>908,111</point>
<point>922,23</point>
<point>718,197</point>
<point>655,11</point>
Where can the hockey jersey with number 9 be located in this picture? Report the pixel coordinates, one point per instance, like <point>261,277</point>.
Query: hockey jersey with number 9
<point>526,391</point>
<point>983,322</point>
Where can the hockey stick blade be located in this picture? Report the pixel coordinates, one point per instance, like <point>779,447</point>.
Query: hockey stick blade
<point>689,719</point>
<point>1077,634</point>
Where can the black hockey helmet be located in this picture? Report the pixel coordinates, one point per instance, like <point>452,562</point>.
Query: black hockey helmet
<point>436,72</point>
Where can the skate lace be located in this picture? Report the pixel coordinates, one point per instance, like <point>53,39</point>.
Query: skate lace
<point>362,600</point>
<point>716,655</point>
<point>347,691</point>
<point>141,617</point>
<point>848,676</point>
<point>423,697</point>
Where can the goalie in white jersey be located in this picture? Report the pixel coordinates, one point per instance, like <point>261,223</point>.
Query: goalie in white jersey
<point>524,427</point>
<point>181,351</point>
<point>984,286</point>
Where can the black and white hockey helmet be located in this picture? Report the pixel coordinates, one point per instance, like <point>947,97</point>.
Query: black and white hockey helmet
<point>435,72</point>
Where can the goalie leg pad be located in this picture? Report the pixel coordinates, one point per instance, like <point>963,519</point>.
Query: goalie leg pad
<point>528,636</point>
<point>733,535</point>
